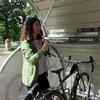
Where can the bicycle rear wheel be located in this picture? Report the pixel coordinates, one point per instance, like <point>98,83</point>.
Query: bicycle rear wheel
<point>53,95</point>
<point>83,87</point>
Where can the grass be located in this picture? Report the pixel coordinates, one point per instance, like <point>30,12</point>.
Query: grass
<point>2,45</point>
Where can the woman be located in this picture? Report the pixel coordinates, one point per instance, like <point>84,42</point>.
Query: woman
<point>34,54</point>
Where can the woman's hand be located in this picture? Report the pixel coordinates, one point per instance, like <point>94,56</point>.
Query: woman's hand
<point>46,45</point>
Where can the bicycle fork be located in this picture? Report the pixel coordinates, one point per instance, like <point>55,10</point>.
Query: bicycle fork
<point>74,88</point>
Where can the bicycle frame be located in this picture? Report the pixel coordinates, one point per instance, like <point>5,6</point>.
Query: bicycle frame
<point>77,77</point>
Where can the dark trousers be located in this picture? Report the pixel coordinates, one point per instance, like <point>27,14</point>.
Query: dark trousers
<point>42,81</point>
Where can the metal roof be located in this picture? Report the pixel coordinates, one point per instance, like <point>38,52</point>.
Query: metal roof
<point>70,14</point>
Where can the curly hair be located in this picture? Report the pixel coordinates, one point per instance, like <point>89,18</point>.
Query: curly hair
<point>27,30</point>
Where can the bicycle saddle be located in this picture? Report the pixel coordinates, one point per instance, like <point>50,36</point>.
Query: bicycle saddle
<point>58,71</point>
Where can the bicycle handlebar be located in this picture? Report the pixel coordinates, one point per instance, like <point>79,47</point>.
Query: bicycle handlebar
<point>92,61</point>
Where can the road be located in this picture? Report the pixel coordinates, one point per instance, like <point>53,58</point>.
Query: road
<point>3,55</point>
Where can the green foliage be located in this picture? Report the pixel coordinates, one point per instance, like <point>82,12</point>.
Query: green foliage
<point>29,11</point>
<point>12,15</point>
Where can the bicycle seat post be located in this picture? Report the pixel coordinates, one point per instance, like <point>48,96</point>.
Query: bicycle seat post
<point>59,76</point>
<point>58,73</point>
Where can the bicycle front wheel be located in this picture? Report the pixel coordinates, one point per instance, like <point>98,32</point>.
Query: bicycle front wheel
<point>83,87</point>
<point>53,95</point>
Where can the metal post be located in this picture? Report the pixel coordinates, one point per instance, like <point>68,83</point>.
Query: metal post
<point>49,11</point>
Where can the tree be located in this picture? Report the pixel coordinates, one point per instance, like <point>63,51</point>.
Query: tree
<point>11,16</point>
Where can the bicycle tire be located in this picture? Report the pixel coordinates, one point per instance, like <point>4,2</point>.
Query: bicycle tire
<point>79,84</point>
<point>53,95</point>
<point>86,83</point>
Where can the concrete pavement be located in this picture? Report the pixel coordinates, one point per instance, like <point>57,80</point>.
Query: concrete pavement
<point>3,55</point>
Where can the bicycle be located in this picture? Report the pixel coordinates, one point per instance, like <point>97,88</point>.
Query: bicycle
<point>79,84</point>
<point>40,95</point>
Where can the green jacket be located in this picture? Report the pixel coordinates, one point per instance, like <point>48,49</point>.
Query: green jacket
<point>30,62</point>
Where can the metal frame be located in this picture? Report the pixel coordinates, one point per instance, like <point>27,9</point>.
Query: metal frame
<point>35,8</point>
<point>49,11</point>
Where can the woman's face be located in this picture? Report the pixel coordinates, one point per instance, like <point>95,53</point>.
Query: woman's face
<point>36,28</point>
